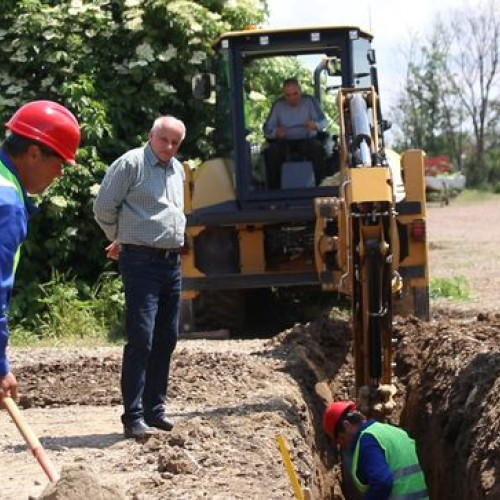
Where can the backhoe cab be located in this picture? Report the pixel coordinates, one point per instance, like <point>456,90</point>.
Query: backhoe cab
<point>359,230</point>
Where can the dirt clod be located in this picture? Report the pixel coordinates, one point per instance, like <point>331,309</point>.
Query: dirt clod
<point>78,482</point>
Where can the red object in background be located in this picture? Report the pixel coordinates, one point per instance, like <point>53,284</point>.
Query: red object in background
<point>435,165</point>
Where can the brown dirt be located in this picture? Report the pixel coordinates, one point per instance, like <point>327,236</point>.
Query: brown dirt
<point>232,398</point>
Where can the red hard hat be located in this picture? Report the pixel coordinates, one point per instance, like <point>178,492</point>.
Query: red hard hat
<point>50,124</point>
<point>333,414</point>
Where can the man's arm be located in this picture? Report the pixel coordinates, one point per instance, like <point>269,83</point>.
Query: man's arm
<point>113,190</point>
<point>9,242</point>
<point>272,122</point>
<point>373,469</point>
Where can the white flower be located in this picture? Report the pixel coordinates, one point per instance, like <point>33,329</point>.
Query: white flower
<point>94,189</point>
<point>198,57</point>
<point>14,89</point>
<point>48,35</point>
<point>19,56</point>
<point>145,51</point>
<point>7,102</point>
<point>164,89</point>
<point>47,82</point>
<point>133,64</point>
<point>120,69</point>
<point>132,3</point>
<point>76,7</point>
<point>134,22</point>
<point>170,53</point>
<point>256,96</point>
<point>59,201</point>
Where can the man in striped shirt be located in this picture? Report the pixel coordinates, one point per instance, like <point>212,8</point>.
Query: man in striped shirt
<point>140,208</point>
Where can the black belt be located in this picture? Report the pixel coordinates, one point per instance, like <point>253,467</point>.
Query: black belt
<point>163,252</point>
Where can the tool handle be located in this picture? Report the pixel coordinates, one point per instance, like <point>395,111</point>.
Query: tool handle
<point>31,439</point>
<point>294,480</point>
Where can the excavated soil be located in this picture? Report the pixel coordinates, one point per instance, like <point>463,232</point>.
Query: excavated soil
<point>232,398</point>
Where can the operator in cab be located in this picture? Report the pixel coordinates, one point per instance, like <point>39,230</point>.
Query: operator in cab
<point>384,458</point>
<point>292,129</point>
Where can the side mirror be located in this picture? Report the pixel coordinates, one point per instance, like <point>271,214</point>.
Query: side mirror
<point>371,57</point>
<point>201,85</point>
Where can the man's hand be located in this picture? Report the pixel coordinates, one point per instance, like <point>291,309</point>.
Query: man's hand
<point>280,132</point>
<point>311,125</point>
<point>8,388</point>
<point>113,250</point>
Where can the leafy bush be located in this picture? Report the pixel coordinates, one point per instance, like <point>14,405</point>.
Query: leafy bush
<point>117,64</point>
<point>69,310</point>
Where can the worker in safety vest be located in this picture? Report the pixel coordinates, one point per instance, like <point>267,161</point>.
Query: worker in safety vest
<point>42,136</point>
<point>384,459</point>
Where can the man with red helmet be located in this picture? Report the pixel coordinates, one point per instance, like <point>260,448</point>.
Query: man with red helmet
<point>43,136</point>
<point>384,459</point>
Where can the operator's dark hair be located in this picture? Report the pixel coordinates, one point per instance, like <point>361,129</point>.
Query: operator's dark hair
<point>291,81</point>
<point>354,417</point>
<point>16,145</point>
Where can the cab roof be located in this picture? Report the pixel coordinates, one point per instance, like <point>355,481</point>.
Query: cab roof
<point>288,31</point>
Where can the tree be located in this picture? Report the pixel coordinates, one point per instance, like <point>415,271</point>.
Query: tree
<point>475,71</point>
<point>117,64</point>
<point>450,99</point>
<point>428,109</point>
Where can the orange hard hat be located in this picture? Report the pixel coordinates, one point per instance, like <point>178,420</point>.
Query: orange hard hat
<point>50,124</point>
<point>333,413</point>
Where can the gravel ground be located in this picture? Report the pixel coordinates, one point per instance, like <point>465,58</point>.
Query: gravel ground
<point>232,398</point>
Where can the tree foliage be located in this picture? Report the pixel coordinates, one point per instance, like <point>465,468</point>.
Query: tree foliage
<point>117,64</point>
<point>450,101</point>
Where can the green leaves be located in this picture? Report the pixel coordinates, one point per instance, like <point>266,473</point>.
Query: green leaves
<point>117,65</point>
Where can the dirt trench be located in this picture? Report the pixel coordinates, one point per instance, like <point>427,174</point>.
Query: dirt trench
<point>447,374</point>
<point>230,399</point>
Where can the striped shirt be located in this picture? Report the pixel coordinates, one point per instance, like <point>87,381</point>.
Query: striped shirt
<point>141,201</point>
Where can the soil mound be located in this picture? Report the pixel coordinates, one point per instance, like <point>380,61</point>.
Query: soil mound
<point>78,482</point>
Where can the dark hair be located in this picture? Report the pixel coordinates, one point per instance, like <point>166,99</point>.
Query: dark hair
<point>291,81</point>
<point>354,417</point>
<point>15,145</point>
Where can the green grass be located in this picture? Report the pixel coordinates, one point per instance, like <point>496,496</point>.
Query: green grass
<point>456,288</point>
<point>473,195</point>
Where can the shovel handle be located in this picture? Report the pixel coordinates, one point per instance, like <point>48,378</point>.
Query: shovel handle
<point>31,439</point>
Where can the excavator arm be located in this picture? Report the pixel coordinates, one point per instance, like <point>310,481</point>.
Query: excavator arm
<point>360,249</point>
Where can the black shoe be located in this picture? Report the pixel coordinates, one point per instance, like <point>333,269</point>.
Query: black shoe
<point>162,422</point>
<point>137,430</point>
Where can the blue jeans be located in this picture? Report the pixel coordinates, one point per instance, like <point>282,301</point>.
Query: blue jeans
<point>152,284</point>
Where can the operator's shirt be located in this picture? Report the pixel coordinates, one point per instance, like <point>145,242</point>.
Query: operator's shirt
<point>373,468</point>
<point>294,117</point>
<point>14,214</point>
<point>141,201</point>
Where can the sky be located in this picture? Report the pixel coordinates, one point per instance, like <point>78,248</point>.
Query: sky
<point>391,22</point>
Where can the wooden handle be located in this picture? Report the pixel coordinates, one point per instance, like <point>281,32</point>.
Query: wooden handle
<point>31,439</point>
<point>25,430</point>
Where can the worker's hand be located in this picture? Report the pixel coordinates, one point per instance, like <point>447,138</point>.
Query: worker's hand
<point>280,132</point>
<point>311,125</point>
<point>8,388</point>
<point>113,250</point>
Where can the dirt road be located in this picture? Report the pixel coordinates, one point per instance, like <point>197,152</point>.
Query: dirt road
<point>231,399</point>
